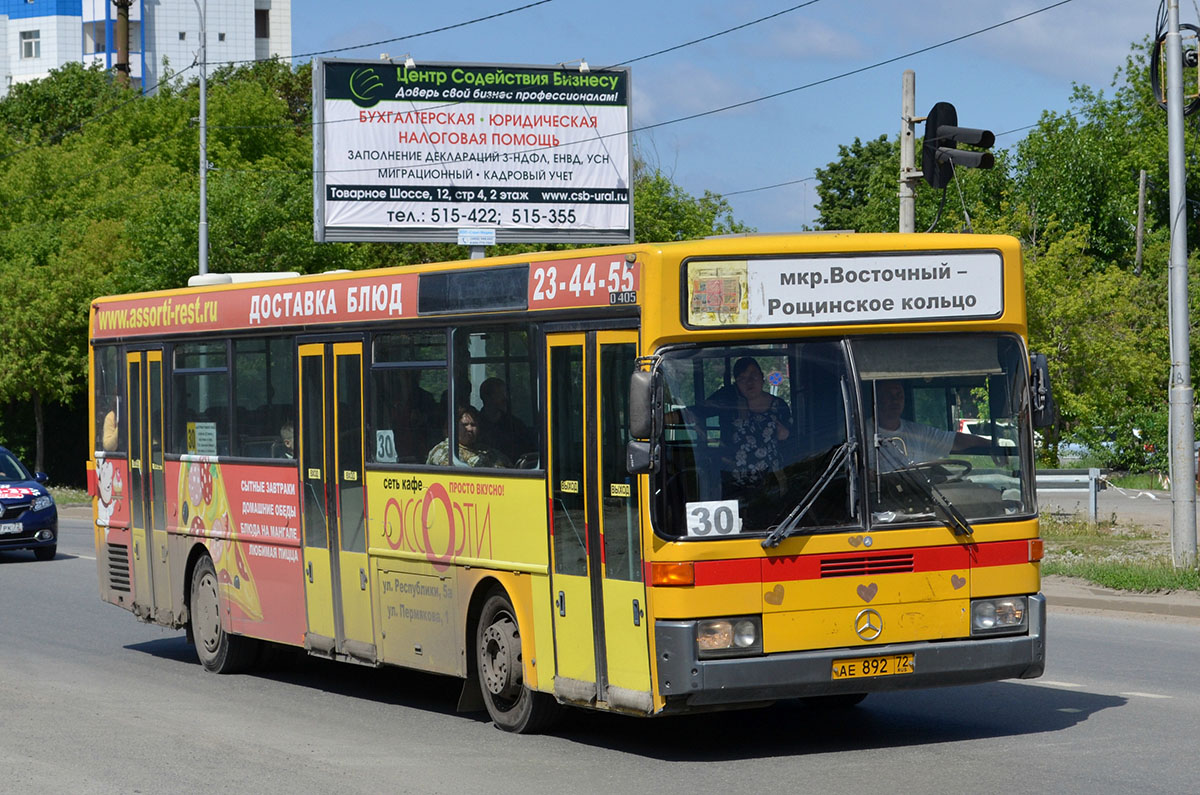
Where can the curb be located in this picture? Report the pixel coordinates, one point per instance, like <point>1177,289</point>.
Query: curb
<point>1062,592</point>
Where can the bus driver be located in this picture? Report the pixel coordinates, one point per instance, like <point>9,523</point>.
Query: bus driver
<point>903,443</point>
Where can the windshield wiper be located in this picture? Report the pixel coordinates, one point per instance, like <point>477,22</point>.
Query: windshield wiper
<point>951,517</point>
<point>791,522</point>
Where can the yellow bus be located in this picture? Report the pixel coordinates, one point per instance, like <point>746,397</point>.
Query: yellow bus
<point>649,479</point>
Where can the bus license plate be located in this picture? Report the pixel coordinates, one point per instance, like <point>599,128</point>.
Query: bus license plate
<point>11,527</point>
<point>858,667</point>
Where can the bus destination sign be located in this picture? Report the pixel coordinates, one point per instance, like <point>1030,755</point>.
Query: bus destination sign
<point>846,289</point>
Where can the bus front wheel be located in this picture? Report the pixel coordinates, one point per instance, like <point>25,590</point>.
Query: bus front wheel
<point>219,651</point>
<point>513,706</point>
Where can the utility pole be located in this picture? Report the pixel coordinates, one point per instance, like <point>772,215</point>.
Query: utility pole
<point>1182,439</point>
<point>122,64</point>
<point>203,264</point>
<point>909,176</point>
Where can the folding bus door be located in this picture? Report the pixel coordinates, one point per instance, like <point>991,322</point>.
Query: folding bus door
<point>337,585</point>
<point>148,521</point>
<point>598,594</point>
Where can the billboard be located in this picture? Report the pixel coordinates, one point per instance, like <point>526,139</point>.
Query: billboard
<point>437,152</point>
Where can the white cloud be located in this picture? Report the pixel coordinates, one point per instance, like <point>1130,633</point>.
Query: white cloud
<point>809,39</point>
<point>683,89</point>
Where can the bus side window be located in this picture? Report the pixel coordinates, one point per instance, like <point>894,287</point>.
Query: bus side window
<point>264,388</point>
<point>200,420</point>
<point>408,373</point>
<point>110,419</point>
<point>495,374</point>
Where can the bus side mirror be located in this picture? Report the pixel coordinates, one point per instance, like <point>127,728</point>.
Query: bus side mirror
<point>644,404</point>
<point>645,409</point>
<point>641,458</point>
<point>1041,399</point>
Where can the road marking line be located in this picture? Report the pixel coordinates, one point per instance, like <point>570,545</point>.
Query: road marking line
<point>1049,683</point>
<point>1144,695</point>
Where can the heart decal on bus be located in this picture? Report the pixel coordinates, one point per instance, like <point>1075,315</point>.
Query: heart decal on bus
<point>957,581</point>
<point>867,592</point>
<point>774,596</point>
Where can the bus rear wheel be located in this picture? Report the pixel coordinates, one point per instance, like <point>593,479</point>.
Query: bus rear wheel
<point>219,651</point>
<point>513,706</point>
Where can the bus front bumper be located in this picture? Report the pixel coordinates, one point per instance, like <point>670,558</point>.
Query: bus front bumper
<point>683,676</point>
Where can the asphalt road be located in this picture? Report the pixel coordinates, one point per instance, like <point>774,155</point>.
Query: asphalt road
<point>93,701</point>
<point>1148,509</point>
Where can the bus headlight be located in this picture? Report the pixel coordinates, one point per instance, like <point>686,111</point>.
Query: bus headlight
<point>998,616</point>
<point>728,637</point>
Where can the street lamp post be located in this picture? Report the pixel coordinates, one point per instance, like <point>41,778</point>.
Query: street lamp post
<point>203,11</point>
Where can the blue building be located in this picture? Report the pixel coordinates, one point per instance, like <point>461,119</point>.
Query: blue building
<point>164,35</point>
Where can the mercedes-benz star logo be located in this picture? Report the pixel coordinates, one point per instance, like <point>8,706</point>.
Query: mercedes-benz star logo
<point>868,624</point>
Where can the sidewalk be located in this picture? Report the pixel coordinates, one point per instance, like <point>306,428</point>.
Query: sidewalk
<point>1071,592</point>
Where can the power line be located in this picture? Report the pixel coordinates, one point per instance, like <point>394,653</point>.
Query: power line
<point>622,63</point>
<point>442,29</point>
<point>714,35</point>
<point>795,89</point>
<point>853,72</point>
<point>736,105</point>
<point>175,75</point>
<point>768,187</point>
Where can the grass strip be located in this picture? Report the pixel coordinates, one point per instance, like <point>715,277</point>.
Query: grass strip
<point>1141,576</point>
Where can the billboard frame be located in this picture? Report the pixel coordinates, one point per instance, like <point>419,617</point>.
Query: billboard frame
<point>451,234</point>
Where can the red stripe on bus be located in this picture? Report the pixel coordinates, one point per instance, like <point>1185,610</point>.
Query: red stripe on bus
<point>728,572</point>
<point>808,567</point>
<point>1000,553</point>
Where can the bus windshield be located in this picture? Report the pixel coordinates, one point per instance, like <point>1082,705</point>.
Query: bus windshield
<point>806,436</point>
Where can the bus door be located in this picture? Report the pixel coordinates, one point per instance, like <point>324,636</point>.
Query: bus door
<point>148,508</point>
<point>598,592</point>
<point>336,582</point>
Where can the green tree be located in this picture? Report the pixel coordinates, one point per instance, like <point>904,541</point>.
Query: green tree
<point>662,211</point>
<point>99,191</point>
<point>848,188</point>
<point>858,192</point>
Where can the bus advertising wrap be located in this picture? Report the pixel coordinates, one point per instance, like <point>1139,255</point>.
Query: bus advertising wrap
<point>366,298</point>
<point>422,152</point>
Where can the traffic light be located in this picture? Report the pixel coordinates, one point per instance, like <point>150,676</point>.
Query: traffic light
<point>940,149</point>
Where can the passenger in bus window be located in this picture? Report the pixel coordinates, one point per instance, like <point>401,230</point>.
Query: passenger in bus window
<point>755,425</point>
<point>285,446</point>
<point>470,451</point>
<point>499,428</point>
<point>903,442</point>
<point>109,437</point>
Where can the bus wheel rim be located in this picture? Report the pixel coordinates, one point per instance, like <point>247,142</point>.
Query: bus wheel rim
<point>500,659</point>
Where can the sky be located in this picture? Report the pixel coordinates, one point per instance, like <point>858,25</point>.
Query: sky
<point>1002,79</point>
